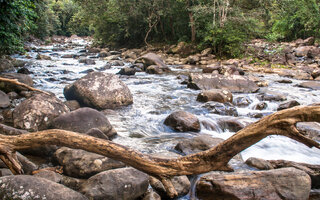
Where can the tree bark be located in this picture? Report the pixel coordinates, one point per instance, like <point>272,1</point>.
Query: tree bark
<point>214,159</point>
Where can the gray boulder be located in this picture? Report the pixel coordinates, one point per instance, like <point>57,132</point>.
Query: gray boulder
<point>24,187</point>
<point>183,121</point>
<point>221,108</point>
<point>268,95</point>
<point>4,100</point>
<point>180,183</point>
<point>127,71</point>
<point>286,183</point>
<point>36,113</point>
<point>310,129</point>
<point>82,164</point>
<point>124,183</point>
<point>259,163</point>
<point>152,59</point>
<point>310,84</point>
<point>82,120</point>
<point>288,104</point>
<point>217,95</point>
<point>99,90</point>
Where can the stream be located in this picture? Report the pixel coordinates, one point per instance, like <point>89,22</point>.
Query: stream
<point>140,125</point>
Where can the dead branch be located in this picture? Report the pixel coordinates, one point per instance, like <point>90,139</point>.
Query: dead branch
<point>214,159</point>
<point>16,82</point>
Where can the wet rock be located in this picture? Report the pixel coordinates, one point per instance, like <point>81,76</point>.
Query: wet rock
<point>310,129</point>
<point>72,105</point>
<point>5,64</point>
<point>95,132</point>
<point>37,112</point>
<point>288,104</point>
<point>99,90</point>
<point>104,54</point>
<point>7,130</point>
<point>82,164</point>
<point>211,68</point>
<point>117,63</point>
<point>310,84</point>
<point>152,59</point>
<point>104,67</point>
<point>127,71</point>
<point>151,195</point>
<point>183,121</point>
<point>242,101</point>
<point>68,56</point>
<point>13,95</point>
<point>9,87</point>
<point>93,50</point>
<point>284,81</point>
<point>221,108</point>
<point>82,120</point>
<point>287,183</point>
<point>125,183</point>
<point>197,144</point>
<point>5,172</point>
<point>259,163</point>
<point>49,175</point>
<point>268,95</point>
<point>314,195</point>
<point>43,57</point>
<point>231,124</point>
<point>154,69</point>
<point>217,95</point>
<point>87,71</point>
<point>4,100</point>
<point>260,106</point>
<point>180,183</point>
<point>233,83</point>
<point>29,187</point>
<point>27,165</point>
<point>24,70</point>
<point>87,61</point>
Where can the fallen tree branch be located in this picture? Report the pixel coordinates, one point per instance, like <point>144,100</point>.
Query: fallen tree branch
<point>214,159</point>
<point>16,82</point>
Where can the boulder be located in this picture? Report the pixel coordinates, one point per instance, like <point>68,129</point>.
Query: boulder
<point>180,183</point>
<point>4,100</point>
<point>268,95</point>
<point>155,69</point>
<point>260,106</point>
<point>43,57</point>
<point>286,183</point>
<point>82,164</point>
<point>211,68</point>
<point>310,129</point>
<point>7,130</point>
<point>221,108</point>
<point>193,59</point>
<point>72,105</point>
<point>127,71</point>
<point>259,163</point>
<point>153,59</point>
<point>87,61</point>
<point>99,90</point>
<point>310,84</point>
<point>82,120</point>
<point>289,104</point>
<point>124,183</point>
<point>242,101</point>
<point>22,187</point>
<point>183,121</point>
<point>231,124</point>
<point>151,195</point>
<point>233,83</point>
<point>24,70</point>
<point>197,144</point>
<point>9,87</point>
<point>36,113</point>
<point>217,95</point>
<point>5,64</point>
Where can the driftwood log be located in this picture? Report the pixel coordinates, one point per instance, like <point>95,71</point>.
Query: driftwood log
<point>16,82</point>
<point>214,159</point>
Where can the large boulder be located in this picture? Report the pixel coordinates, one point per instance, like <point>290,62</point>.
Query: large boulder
<point>221,108</point>
<point>311,129</point>
<point>155,69</point>
<point>233,83</point>
<point>183,121</point>
<point>310,84</point>
<point>37,112</point>
<point>5,64</point>
<point>4,100</point>
<point>99,90</point>
<point>286,183</point>
<point>268,95</point>
<point>180,183</point>
<point>217,95</point>
<point>9,87</point>
<point>82,120</point>
<point>152,59</point>
<point>82,164</point>
<point>29,187</point>
<point>289,104</point>
<point>124,183</point>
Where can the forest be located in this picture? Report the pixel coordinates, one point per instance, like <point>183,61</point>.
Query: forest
<point>223,25</point>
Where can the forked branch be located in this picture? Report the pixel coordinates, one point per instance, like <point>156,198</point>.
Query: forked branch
<point>214,159</point>
<point>16,82</point>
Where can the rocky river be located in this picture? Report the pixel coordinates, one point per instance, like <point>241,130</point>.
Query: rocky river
<point>156,95</point>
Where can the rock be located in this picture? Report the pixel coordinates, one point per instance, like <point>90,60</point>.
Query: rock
<point>206,52</point>
<point>302,51</point>
<point>183,121</point>
<point>314,195</point>
<point>310,84</point>
<point>5,64</point>
<point>72,105</point>
<point>82,164</point>
<point>154,69</point>
<point>153,59</point>
<point>95,132</point>
<point>27,165</point>
<point>287,183</point>
<point>5,172</point>
<point>310,129</point>
<point>82,120</point>
<point>13,95</point>
<point>22,187</point>
<point>151,195</point>
<point>36,113</point>
<point>7,130</point>
<point>93,50</point>
<point>4,100</point>
<point>127,71</point>
<point>124,183</point>
<point>231,124</point>
<point>99,90</point>
<point>24,70</point>
<point>87,61</point>
<point>217,95</point>
<point>268,95</point>
<point>288,104</point>
<point>242,101</point>
<point>117,63</point>
<point>182,48</point>
<point>104,54</point>
<point>49,175</point>
<point>284,81</point>
<point>180,183</point>
<point>260,106</point>
<point>197,144</point>
<point>221,108</point>
<point>193,59</point>
<point>68,56</point>
<point>233,83</point>
<point>211,68</point>
<point>9,87</point>
<point>43,57</point>
<point>259,163</point>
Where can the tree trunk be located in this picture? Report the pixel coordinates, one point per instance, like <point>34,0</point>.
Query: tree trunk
<point>193,27</point>
<point>214,159</point>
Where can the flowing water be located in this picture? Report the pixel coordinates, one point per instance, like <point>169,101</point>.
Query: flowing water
<point>140,125</point>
